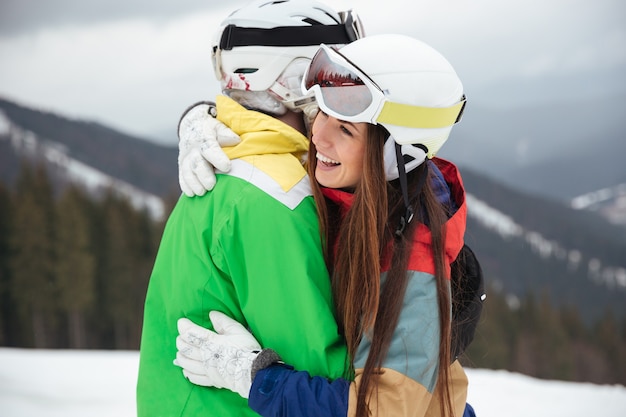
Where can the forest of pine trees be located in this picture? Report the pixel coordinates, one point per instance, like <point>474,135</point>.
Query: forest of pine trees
<point>74,270</point>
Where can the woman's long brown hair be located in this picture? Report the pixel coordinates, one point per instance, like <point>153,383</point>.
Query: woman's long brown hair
<point>354,247</point>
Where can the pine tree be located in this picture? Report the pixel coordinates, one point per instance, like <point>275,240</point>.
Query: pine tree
<point>608,338</point>
<point>6,305</point>
<point>100,324</point>
<point>145,243</point>
<point>118,269</point>
<point>75,264</point>
<point>32,266</point>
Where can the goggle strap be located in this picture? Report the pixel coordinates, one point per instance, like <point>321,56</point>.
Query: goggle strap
<point>234,36</point>
<point>420,117</point>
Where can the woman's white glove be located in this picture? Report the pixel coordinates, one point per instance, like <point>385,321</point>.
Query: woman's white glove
<point>201,138</point>
<point>221,359</point>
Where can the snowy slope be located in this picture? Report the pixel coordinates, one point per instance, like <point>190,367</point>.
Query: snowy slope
<point>47,383</point>
<point>610,276</point>
<point>58,157</point>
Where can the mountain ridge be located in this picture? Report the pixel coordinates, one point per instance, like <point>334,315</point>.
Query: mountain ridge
<point>526,242</point>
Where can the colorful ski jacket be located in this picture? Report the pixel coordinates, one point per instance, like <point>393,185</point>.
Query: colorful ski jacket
<point>251,249</point>
<point>407,384</point>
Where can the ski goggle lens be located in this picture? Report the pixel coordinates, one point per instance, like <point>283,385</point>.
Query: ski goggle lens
<point>343,91</point>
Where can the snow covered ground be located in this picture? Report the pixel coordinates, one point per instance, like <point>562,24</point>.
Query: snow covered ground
<point>69,383</point>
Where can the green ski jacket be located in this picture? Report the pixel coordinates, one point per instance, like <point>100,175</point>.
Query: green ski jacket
<point>249,248</point>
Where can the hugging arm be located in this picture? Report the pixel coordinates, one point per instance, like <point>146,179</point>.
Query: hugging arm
<point>231,358</point>
<point>200,140</point>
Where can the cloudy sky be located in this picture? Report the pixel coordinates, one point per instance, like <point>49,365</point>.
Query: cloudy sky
<point>136,64</point>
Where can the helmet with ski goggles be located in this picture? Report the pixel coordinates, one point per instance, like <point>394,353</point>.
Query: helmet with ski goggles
<point>392,80</point>
<point>257,44</point>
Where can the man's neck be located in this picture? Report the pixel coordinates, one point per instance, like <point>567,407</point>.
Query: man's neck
<point>294,120</point>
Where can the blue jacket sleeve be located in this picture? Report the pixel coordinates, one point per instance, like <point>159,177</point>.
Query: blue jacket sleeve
<point>280,391</point>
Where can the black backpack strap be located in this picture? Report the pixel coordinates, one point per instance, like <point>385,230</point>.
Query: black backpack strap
<point>468,295</point>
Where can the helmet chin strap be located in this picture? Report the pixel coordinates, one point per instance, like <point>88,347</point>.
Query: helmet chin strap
<point>406,218</point>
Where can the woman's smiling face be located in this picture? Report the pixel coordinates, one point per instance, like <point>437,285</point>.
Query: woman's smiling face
<point>340,149</point>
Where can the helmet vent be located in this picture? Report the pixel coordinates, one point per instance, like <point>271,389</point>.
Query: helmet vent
<point>246,70</point>
<point>330,16</point>
<point>269,3</point>
<point>311,21</point>
<point>407,158</point>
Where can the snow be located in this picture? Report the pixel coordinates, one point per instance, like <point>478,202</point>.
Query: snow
<point>610,202</point>
<point>5,125</point>
<point>588,200</point>
<point>73,383</point>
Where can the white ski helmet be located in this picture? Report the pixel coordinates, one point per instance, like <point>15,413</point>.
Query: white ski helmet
<point>392,80</point>
<point>395,81</point>
<point>266,46</point>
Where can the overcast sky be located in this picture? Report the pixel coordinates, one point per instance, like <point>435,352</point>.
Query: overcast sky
<point>135,65</point>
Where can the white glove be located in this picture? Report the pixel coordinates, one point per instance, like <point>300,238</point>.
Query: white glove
<point>221,359</point>
<point>201,137</point>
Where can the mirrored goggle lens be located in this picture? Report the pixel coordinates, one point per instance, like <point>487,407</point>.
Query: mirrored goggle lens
<point>342,90</point>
